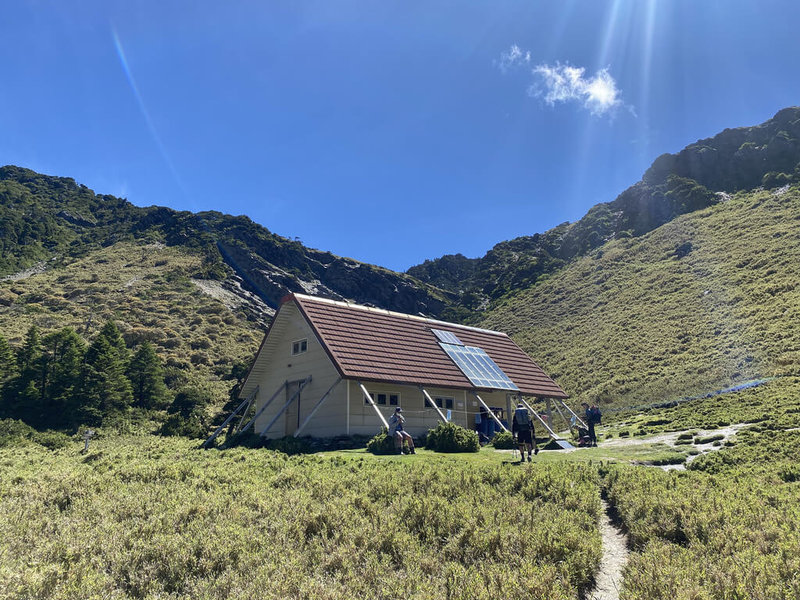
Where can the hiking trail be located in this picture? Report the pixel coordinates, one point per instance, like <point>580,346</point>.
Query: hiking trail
<point>608,580</point>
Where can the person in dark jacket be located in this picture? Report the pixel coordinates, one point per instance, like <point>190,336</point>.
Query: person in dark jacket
<point>522,428</point>
<point>593,417</point>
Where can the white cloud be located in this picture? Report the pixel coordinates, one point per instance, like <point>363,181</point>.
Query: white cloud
<point>598,94</point>
<point>514,57</point>
<point>563,83</point>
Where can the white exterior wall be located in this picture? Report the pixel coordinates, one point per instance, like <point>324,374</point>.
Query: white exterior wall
<point>419,417</point>
<point>279,365</point>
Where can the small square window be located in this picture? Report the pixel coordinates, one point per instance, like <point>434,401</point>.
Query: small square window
<point>443,402</point>
<point>381,398</point>
<point>394,399</point>
<point>366,400</point>
<point>299,347</point>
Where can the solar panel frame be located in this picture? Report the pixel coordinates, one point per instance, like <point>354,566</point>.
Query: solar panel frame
<point>447,337</point>
<point>478,367</point>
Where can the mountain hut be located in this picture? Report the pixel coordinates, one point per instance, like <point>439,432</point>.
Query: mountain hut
<point>327,368</point>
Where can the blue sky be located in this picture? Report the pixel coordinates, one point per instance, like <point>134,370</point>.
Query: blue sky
<point>389,132</point>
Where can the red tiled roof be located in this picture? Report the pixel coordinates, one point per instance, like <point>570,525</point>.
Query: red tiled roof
<point>379,345</point>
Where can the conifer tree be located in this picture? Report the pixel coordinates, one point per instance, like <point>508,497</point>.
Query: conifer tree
<point>8,362</point>
<point>22,397</point>
<point>147,378</point>
<point>30,351</point>
<point>110,331</point>
<point>105,390</point>
<point>62,360</point>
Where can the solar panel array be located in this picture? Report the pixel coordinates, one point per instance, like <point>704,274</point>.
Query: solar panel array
<point>447,337</point>
<point>478,366</point>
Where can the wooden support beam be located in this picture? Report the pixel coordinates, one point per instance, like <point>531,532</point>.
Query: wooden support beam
<point>263,408</point>
<point>313,410</point>
<point>541,420</point>
<point>244,416</point>
<point>561,414</point>
<point>577,418</point>
<point>372,402</point>
<point>299,389</point>
<point>433,404</point>
<point>230,418</point>
<point>491,412</point>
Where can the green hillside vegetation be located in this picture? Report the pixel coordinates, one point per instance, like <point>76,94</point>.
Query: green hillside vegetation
<point>148,291</point>
<point>728,526</point>
<point>705,301</point>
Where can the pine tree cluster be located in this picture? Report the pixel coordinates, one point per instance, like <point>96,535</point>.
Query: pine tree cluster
<point>58,381</point>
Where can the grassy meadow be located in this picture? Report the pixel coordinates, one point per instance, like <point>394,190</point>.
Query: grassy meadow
<point>149,517</point>
<point>145,517</point>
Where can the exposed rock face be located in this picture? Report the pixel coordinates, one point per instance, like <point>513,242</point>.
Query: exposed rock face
<point>322,274</point>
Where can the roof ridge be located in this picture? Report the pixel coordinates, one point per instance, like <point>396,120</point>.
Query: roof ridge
<point>395,314</point>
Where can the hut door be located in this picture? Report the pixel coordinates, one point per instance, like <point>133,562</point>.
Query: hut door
<point>293,410</point>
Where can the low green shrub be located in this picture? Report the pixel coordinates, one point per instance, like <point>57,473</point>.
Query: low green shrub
<point>709,438</point>
<point>504,441</point>
<point>52,440</point>
<point>13,432</point>
<point>672,459</point>
<point>381,444</point>
<point>177,521</point>
<point>789,473</point>
<point>249,439</point>
<point>190,426</point>
<point>290,445</point>
<point>449,437</point>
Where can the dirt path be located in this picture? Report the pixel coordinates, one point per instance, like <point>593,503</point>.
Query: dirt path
<point>608,581</point>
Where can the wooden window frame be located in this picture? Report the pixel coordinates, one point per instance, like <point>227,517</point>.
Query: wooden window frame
<point>299,346</point>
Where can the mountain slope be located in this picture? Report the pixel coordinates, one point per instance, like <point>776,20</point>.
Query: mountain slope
<point>200,328</point>
<point>43,217</point>
<point>701,175</point>
<point>709,299</point>
<point>202,288</point>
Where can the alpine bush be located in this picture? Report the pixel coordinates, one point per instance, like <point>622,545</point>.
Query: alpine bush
<point>290,445</point>
<point>381,443</point>
<point>504,441</point>
<point>449,437</point>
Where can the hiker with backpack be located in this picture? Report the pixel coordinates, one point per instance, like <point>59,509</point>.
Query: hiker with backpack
<point>593,417</point>
<point>398,434</point>
<point>522,429</point>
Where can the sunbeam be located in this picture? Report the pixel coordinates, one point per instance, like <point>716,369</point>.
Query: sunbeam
<point>145,114</point>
